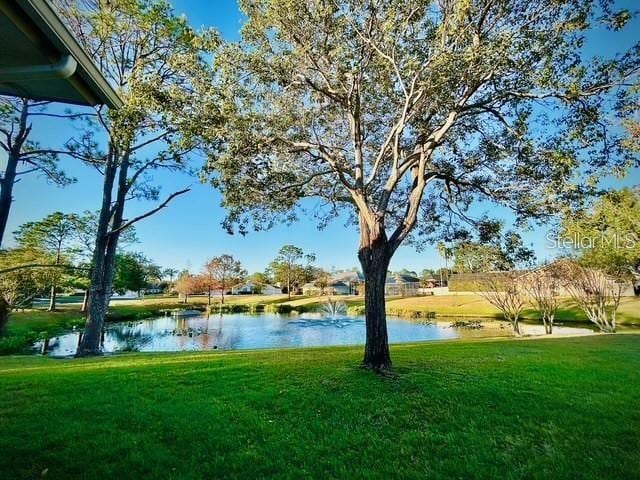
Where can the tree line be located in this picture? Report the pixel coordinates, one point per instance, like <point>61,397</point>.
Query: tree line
<point>291,268</point>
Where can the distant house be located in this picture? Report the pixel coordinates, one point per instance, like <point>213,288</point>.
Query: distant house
<point>249,288</point>
<point>352,279</point>
<point>310,289</point>
<point>352,283</point>
<point>337,288</point>
<point>271,290</point>
<point>341,283</point>
<point>403,285</point>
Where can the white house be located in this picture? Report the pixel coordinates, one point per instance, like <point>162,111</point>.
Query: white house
<point>252,287</point>
<point>341,283</point>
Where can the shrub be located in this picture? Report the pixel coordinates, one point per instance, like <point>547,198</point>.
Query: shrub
<point>256,307</point>
<point>356,310</point>
<point>12,345</point>
<point>278,308</point>
<point>473,282</point>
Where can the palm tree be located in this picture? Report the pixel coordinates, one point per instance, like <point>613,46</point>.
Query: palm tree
<point>170,272</point>
<point>444,252</point>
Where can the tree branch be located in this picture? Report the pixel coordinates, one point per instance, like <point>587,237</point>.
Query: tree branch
<point>41,265</point>
<point>126,225</point>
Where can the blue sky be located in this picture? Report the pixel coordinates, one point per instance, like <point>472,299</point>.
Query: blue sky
<point>188,232</point>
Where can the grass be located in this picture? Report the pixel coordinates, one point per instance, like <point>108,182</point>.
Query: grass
<point>553,408</point>
<point>477,306</point>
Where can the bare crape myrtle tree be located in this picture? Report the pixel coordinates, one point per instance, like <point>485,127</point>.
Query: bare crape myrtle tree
<point>543,288</point>
<point>505,291</point>
<point>596,294</point>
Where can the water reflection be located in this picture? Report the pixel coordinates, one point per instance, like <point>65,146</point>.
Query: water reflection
<point>253,331</point>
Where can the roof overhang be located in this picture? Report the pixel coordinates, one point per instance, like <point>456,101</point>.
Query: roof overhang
<point>41,59</point>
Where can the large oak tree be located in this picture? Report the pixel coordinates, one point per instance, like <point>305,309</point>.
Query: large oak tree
<point>405,112</point>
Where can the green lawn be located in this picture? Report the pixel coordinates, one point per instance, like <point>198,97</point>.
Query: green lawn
<point>553,408</point>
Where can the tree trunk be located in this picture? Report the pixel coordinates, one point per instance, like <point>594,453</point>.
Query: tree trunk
<point>374,255</point>
<point>9,176</point>
<point>222,296</point>
<point>52,298</point>
<point>4,312</point>
<point>517,328</point>
<point>96,300</point>
<point>111,219</point>
<point>89,341</point>
<point>6,191</point>
<point>96,312</point>
<point>83,308</point>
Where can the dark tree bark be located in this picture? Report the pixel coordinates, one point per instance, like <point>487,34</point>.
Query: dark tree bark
<point>89,343</point>
<point>6,192</point>
<point>53,295</point>
<point>374,255</point>
<point>96,304</point>
<point>4,312</point>
<point>9,175</point>
<point>110,225</point>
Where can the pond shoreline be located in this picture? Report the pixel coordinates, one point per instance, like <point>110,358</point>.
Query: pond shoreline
<point>258,331</point>
<point>26,327</point>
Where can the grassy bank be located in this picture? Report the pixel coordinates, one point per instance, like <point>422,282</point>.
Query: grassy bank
<point>477,306</point>
<point>469,306</point>
<point>555,408</point>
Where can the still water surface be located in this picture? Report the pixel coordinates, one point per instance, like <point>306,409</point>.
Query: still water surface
<point>241,331</point>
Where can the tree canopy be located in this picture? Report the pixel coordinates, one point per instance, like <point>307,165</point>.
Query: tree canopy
<point>134,271</point>
<point>490,250</point>
<point>365,104</point>
<point>607,235</point>
<point>222,273</point>
<point>25,156</point>
<point>292,267</point>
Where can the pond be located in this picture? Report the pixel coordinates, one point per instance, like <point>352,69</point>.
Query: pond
<point>240,331</point>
